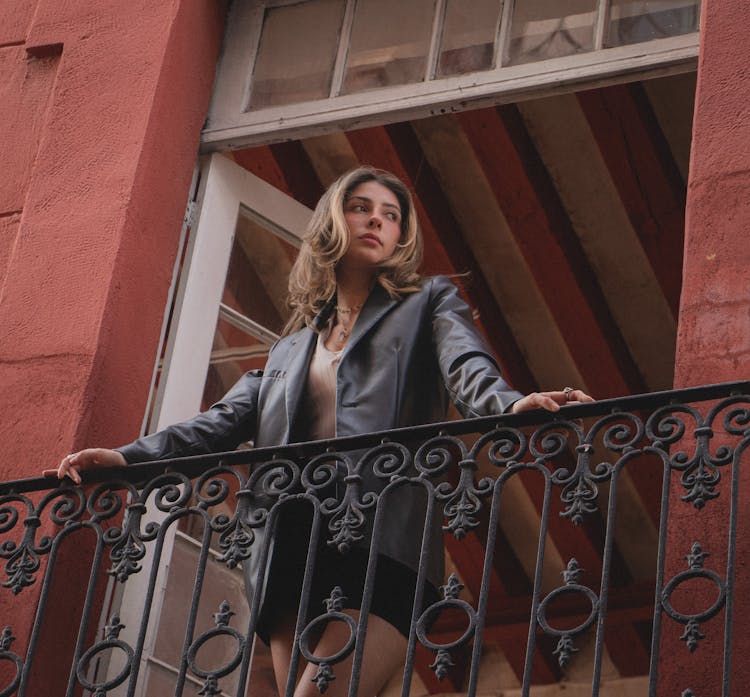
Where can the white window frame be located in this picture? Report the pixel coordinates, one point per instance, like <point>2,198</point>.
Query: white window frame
<point>231,125</point>
<point>226,191</point>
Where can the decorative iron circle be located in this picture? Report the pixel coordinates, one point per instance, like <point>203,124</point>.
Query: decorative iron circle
<point>686,576</point>
<point>98,648</point>
<point>541,613</point>
<point>8,656</point>
<point>334,616</point>
<point>435,610</point>
<point>220,672</point>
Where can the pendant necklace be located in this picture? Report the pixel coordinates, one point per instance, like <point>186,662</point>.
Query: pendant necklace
<point>344,317</point>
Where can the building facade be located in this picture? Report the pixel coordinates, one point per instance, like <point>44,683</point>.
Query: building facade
<point>606,180</point>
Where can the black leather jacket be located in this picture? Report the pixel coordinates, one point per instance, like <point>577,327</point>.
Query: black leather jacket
<point>403,361</point>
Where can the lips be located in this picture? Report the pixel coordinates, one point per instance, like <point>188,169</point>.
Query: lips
<point>368,237</point>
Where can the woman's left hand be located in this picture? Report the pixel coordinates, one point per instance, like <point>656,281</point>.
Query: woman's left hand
<point>551,401</point>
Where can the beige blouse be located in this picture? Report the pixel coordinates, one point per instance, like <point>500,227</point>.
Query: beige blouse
<point>320,396</point>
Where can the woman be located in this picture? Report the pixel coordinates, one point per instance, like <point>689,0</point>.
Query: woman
<point>370,346</point>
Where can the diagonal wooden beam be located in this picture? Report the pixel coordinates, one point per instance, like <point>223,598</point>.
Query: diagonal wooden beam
<point>262,163</point>
<point>285,166</point>
<point>645,173</point>
<point>301,180</point>
<point>396,149</point>
<point>633,604</point>
<point>527,197</point>
<point>627,648</point>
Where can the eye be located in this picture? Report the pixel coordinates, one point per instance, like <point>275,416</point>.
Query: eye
<point>357,208</point>
<point>392,216</point>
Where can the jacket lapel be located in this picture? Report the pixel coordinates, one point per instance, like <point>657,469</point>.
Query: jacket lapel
<point>296,375</point>
<point>378,304</point>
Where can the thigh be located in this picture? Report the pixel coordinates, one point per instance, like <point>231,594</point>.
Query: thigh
<point>384,652</point>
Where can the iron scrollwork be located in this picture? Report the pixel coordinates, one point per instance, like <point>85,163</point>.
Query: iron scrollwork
<point>565,645</point>
<point>692,633</point>
<point>211,677</point>
<point>6,639</point>
<point>580,463</point>
<point>450,599</point>
<point>334,605</point>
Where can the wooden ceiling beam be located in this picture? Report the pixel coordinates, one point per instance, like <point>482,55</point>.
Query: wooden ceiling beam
<point>454,679</point>
<point>285,166</point>
<point>529,201</point>
<point>646,176</point>
<point>396,149</point>
<point>630,605</point>
<point>330,156</point>
<point>584,542</point>
<point>301,180</point>
<point>626,648</point>
<point>562,137</point>
<point>261,162</point>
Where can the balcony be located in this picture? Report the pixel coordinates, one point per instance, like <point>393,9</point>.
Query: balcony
<point>592,552</point>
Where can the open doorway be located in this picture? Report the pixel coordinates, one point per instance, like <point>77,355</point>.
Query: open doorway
<point>565,213</point>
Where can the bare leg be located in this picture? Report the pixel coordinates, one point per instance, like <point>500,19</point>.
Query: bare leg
<point>385,648</point>
<point>281,641</point>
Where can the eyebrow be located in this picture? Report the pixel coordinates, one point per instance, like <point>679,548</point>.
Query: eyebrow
<point>369,200</point>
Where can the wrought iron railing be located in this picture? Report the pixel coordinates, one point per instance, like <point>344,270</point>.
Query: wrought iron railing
<point>596,478</point>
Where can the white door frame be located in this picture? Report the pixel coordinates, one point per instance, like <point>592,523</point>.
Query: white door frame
<point>226,191</point>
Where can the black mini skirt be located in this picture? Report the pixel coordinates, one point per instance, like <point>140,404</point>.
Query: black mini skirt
<point>393,592</point>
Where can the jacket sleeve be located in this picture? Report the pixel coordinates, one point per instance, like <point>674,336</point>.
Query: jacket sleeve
<point>470,372</point>
<point>222,427</point>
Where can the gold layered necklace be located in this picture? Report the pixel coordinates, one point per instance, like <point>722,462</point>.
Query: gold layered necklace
<point>345,317</point>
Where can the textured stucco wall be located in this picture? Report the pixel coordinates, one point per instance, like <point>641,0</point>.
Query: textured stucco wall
<point>713,343</point>
<point>714,330</point>
<point>101,106</point>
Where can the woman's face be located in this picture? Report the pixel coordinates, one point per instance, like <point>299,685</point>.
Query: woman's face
<point>373,216</point>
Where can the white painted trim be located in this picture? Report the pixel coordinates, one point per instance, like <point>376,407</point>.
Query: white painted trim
<point>600,26</point>
<point>339,66</point>
<point>230,191</point>
<point>436,39</point>
<point>227,130</point>
<point>502,33</point>
<point>247,325</point>
<point>232,85</point>
<point>188,221</point>
<point>226,191</point>
<point>238,353</point>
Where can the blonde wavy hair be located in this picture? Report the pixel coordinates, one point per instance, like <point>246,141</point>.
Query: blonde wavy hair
<point>312,281</point>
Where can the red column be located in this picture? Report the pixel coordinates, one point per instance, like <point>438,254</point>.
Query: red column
<point>101,105</point>
<point>714,331</point>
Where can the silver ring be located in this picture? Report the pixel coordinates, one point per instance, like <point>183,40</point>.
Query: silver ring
<point>567,391</point>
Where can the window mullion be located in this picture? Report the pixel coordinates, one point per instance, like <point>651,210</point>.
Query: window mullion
<point>339,67</point>
<point>247,325</point>
<point>502,40</point>
<point>433,56</point>
<point>602,18</point>
<point>256,27</point>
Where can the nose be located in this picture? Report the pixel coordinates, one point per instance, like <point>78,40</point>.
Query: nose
<point>374,221</point>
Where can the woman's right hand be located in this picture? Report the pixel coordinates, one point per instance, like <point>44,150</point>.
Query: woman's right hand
<point>90,458</point>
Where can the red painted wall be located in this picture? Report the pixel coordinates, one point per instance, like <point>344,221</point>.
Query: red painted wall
<point>714,326</point>
<point>101,105</point>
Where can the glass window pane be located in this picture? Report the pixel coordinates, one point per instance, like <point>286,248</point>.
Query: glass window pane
<point>256,287</point>
<point>541,29</point>
<point>389,43</point>
<point>468,39</point>
<point>632,21</point>
<point>220,584</point>
<point>297,52</point>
